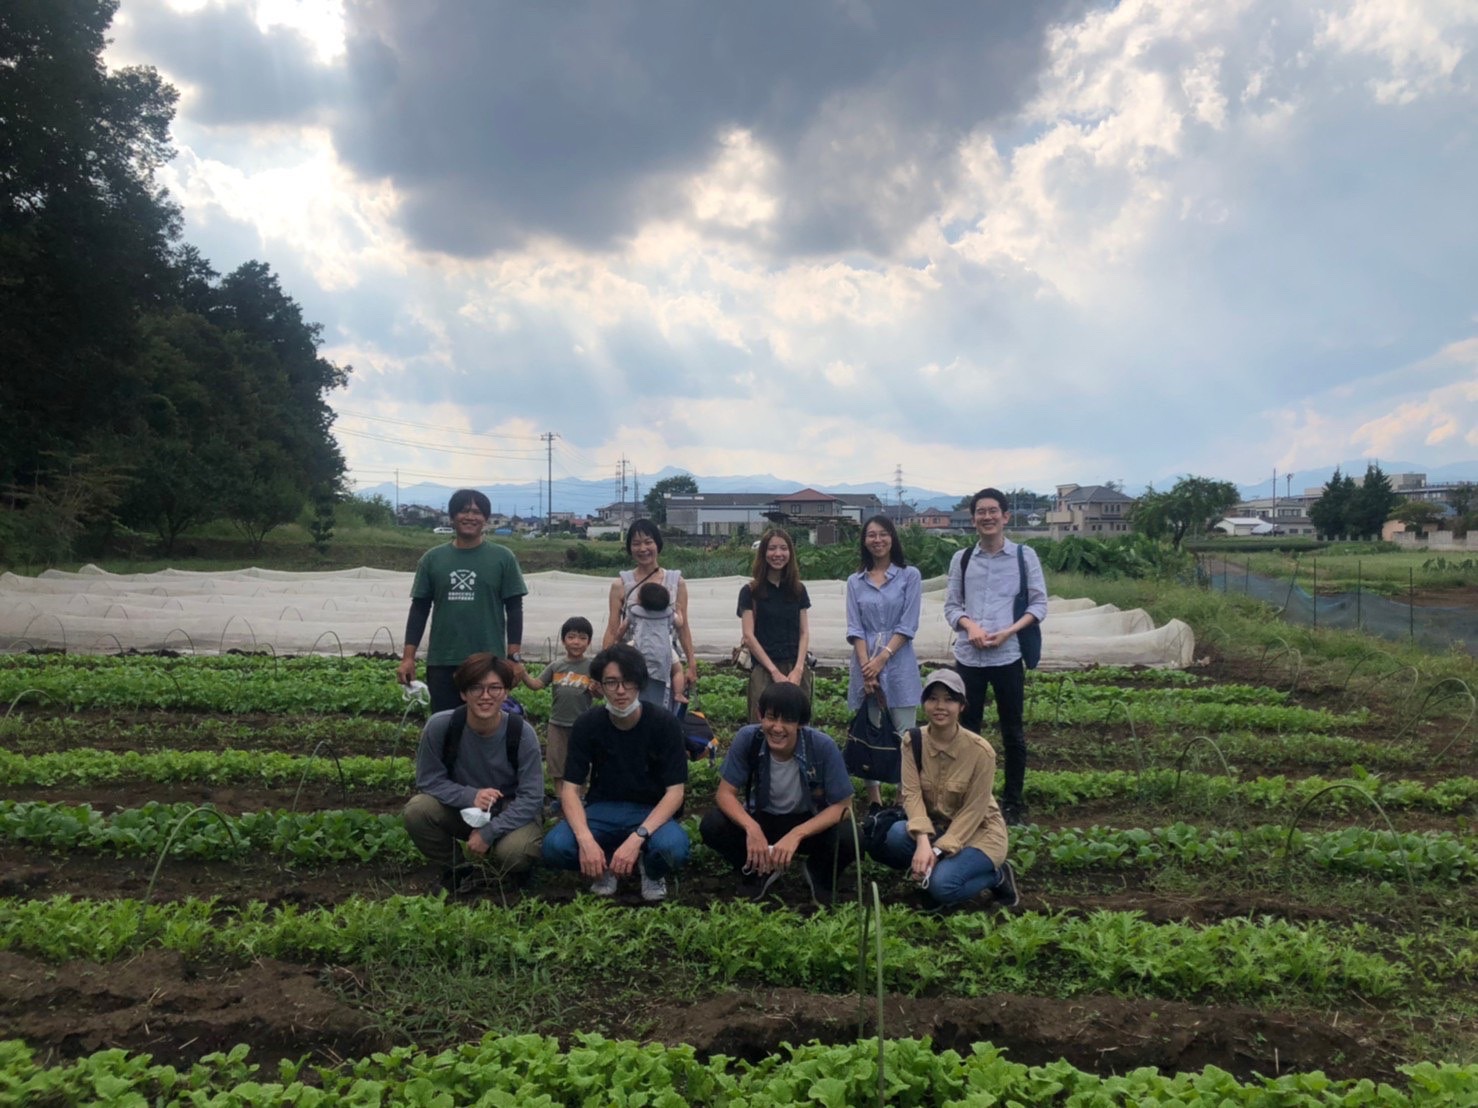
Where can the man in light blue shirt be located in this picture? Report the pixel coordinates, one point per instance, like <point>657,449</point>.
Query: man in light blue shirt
<point>984,581</point>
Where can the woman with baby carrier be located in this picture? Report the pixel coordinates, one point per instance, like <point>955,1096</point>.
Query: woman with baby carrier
<point>644,545</point>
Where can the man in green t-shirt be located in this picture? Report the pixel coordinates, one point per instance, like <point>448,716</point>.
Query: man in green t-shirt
<point>475,590</point>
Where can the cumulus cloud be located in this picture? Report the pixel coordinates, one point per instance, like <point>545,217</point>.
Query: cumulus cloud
<point>1034,243</point>
<point>232,71</point>
<point>498,121</point>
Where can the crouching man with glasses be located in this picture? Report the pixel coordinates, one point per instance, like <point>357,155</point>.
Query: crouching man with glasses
<point>479,781</point>
<point>634,756</point>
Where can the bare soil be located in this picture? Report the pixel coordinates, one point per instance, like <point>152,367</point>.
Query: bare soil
<point>161,1003</point>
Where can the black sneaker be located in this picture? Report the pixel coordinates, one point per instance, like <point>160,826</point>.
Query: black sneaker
<point>1015,813</point>
<point>1006,894</point>
<point>820,885</point>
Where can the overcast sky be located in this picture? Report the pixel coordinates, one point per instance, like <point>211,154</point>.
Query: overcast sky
<point>992,242</point>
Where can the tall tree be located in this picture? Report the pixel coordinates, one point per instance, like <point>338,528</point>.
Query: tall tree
<point>1189,507</point>
<point>85,231</point>
<point>682,484</point>
<point>1330,513</point>
<point>1371,505</point>
<point>1463,497</point>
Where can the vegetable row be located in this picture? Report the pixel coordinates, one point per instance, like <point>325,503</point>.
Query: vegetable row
<point>1265,962</point>
<point>1046,789</point>
<point>535,1071</point>
<point>326,837</point>
<point>365,686</point>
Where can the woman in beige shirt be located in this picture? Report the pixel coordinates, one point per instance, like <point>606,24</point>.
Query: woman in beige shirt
<point>953,842</point>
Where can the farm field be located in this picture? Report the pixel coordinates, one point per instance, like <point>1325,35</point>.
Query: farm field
<point>1237,875</point>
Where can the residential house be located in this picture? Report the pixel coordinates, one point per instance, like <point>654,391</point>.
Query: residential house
<point>1096,511</point>
<point>621,513</point>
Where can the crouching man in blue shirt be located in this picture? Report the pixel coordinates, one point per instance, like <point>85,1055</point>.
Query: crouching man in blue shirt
<point>796,797</point>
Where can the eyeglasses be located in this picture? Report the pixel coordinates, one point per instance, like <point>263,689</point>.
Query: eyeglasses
<point>988,513</point>
<point>615,684</point>
<point>487,690</point>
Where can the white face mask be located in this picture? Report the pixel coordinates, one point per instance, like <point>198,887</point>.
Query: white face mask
<point>475,817</point>
<point>626,712</point>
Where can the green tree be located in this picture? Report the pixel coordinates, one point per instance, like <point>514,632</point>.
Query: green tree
<point>85,232</point>
<point>259,495</point>
<point>1189,507</point>
<point>1371,505</point>
<point>372,511</point>
<point>1330,513</point>
<point>682,484</point>
<point>1463,496</point>
<point>1418,514</point>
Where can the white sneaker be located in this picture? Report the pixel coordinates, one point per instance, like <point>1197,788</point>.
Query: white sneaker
<point>652,888</point>
<point>605,885</point>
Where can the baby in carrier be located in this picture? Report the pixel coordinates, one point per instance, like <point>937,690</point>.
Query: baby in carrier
<point>651,620</point>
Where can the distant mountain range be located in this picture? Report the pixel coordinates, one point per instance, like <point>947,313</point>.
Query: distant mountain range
<point>574,494</point>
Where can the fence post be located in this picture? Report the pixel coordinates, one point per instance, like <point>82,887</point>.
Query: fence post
<point>1359,581</point>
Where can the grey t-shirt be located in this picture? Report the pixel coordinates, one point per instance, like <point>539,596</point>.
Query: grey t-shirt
<point>787,787</point>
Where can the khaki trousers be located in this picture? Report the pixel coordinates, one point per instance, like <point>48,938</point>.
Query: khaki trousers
<point>436,828</point>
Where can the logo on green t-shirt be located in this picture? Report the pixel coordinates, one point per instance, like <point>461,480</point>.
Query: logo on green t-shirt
<point>463,585</point>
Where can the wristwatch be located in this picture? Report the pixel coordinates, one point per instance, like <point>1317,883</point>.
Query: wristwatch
<point>643,834</point>
<point>518,657</point>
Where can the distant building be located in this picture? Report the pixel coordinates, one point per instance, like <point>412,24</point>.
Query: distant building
<point>726,513</point>
<point>1094,510</point>
<point>1243,525</point>
<point>621,513</point>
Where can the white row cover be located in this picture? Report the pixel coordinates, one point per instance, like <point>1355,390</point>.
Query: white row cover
<point>365,609</point>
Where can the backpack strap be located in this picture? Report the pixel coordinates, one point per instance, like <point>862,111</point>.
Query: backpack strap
<point>916,740</point>
<point>760,749</point>
<point>452,744</point>
<point>964,565</point>
<point>1021,595</point>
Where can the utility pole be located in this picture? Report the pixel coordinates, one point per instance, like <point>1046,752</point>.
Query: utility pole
<point>1275,493</point>
<point>898,485</point>
<point>549,437</point>
<point>397,496</point>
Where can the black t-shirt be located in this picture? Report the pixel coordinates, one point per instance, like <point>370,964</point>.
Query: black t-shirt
<point>636,766</point>
<point>777,622</point>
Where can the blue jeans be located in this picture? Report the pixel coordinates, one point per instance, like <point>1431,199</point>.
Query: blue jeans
<point>612,822</point>
<point>956,877</point>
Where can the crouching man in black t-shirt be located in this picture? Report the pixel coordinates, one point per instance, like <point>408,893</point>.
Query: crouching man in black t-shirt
<point>634,755</point>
